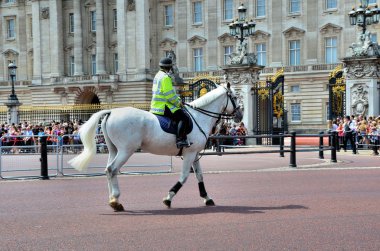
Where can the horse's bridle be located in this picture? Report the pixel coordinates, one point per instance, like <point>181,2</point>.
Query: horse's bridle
<point>221,115</point>
<point>216,115</point>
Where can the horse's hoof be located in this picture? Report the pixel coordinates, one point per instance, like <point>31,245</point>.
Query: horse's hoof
<point>210,202</point>
<point>117,207</point>
<point>167,202</point>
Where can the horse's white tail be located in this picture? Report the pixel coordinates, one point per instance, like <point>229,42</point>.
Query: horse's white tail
<point>87,134</point>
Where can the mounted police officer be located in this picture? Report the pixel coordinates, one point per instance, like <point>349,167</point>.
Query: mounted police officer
<point>166,102</point>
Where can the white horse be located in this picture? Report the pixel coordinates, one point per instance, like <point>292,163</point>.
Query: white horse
<point>129,129</point>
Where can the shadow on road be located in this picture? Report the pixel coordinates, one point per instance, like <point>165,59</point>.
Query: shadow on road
<point>204,210</point>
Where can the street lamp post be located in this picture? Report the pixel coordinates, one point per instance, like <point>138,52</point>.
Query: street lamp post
<point>363,15</point>
<point>12,73</point>
<point>13,103</point>
<point>361,91</point>
<point>241,29</point>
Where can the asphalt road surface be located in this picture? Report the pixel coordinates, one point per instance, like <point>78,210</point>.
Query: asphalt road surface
<point>261,204</point>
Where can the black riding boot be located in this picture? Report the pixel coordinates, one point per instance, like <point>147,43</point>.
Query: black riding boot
<point>181,136</point>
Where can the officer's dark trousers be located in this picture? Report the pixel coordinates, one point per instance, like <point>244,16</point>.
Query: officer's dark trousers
<point>182,119</point>
<point>348,137</point>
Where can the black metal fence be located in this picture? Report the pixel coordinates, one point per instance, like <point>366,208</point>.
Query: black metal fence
<point>292,149</point>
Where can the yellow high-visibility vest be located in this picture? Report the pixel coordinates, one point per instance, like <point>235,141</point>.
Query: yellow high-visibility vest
<point>164,94</point>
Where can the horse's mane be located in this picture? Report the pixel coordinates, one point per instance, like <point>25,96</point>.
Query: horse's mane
<point>208,97</point>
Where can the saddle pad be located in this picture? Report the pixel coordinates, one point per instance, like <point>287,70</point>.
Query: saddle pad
<point>169,126</point>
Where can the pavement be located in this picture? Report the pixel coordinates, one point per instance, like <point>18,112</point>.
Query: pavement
<point>261,204</point>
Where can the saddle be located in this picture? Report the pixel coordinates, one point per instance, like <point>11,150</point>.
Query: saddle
<point>170,126</point>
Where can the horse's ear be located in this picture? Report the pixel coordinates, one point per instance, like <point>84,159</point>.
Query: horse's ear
<point>228,85</point>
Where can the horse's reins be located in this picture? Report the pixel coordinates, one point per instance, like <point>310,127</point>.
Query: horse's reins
<point>217,115</point>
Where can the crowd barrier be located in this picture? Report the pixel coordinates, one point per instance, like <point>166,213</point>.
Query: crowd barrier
<point>360,142</point>
<point>23,157</point>
<point>20,157</point>
<point>367,142</point>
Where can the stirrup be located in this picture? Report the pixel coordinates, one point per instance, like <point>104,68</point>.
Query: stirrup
<point>183,143</point>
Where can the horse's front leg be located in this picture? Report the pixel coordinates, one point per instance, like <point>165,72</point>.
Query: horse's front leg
<point>202,190</point>
<point>188,159</point>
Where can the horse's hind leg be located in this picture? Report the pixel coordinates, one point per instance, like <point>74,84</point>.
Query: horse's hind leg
<point>112,171</point>
<point>202,190</point>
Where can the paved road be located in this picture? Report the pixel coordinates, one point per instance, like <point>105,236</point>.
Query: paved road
<point>261,205</point>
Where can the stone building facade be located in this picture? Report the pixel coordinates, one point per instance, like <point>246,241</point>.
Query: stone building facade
<point>107,51</point>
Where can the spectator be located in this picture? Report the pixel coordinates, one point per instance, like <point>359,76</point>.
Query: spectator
<point>233,132</point>
<point>347,128</point>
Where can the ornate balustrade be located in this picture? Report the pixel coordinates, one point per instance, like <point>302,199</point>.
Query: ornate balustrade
<point>85,79</point>
<point>17,83</point>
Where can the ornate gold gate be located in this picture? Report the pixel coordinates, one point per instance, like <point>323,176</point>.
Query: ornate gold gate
<point>337,93</point>
<point>268,107</point>
<point>198,87</point>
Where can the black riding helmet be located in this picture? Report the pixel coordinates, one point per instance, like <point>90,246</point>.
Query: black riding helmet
<point>166,63</point>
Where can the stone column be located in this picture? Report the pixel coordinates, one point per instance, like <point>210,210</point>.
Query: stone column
<point>362,86</point>
<point>276,34</point>
<point>56,38</point>
<point>121,38</point>
<point>181,28</point>
<point>78,40</point>
<point>37,57</point>
<point>100,46</point>
<point>212,44</point>
<point>242,78</point>
<point>142,36</point>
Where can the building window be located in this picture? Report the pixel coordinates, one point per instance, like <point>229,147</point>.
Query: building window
<point>260,9</point>
<point>11,28</point>
<point>372,1</point>
<point>331,4</point>
<point>295,88</point>
<point>294,52</point>
<point>93,64</point>
<point>10,1</point>
<point>331,50</point>
<point>373,37</point>
<point>295,109</point>
<point>295,6</point>
<point>197,12</point>
<point>228,10</point>
<point>71,22</point>
<point>116,62</point>
<point>169,15</point>
<point>198,59</point>
<point>261,51</point>
<point>93,21</point>
<point>72,66</point>
<point>227,52</point>
<point>114,19</point>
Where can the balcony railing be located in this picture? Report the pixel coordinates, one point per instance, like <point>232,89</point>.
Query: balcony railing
<point>106,78</point>
<point>85,79</point>
<point>267,70</point>
<point>17,83</point>
<point>301,68</point>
